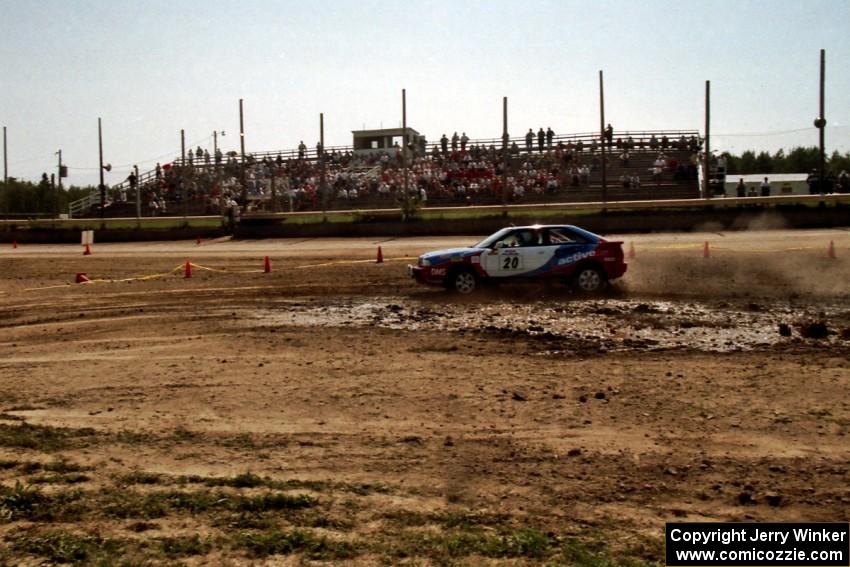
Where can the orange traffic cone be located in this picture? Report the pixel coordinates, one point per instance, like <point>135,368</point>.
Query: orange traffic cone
<point>380,258</point>
<point>82,278</point>
<point>830,252</point>
<point>631,255</point>
<point>14,244</point>
<point>187,270</point>
<point>267,265</point>
<point>87,251</point>
<point>706,253</point>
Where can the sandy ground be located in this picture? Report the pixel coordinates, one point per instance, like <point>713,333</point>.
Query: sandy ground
<point>521,426</point>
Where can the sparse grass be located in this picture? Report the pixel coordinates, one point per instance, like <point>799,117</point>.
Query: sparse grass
<point>24,502</point>
<point>41,437</point>
<point>69,478</point>
<point>174,547</point>
<point>65,547</point>
<point>441,547</point>
<point>263,544</point>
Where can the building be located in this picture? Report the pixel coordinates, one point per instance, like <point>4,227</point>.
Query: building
<point>780,184</point>
<point>386,140</point>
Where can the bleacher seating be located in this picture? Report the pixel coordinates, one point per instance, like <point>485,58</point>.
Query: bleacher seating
<point>295,181</point>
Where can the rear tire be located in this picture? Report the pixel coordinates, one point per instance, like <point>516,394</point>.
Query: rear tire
<point>589,279</point>
<point>463,282</point>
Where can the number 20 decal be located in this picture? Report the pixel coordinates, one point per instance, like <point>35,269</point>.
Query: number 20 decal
<point>510,263</point>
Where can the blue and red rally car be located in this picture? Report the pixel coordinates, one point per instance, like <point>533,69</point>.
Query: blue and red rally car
<point>562,252</point>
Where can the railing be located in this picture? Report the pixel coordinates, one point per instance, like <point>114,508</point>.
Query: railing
<point>84,204</point>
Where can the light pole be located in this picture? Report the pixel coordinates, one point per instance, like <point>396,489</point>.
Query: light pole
<point>102,186</point>
<point>215,140</point>
<point>5,160</point>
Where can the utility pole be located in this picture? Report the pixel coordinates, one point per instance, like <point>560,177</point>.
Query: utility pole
<point>5,159</point>
<point>505,155</point>
<point>706,172</point>
<point>820,124</point>
<point>182,147</point>
<point>59,184</point>
<point>321,157</point>
<point>102,185</point>
<point>603,139</point>
<point>138,193</point>
<point>242,150</point>
<point>215,142</point>
<point>241,131</point>
<point>404,149</point>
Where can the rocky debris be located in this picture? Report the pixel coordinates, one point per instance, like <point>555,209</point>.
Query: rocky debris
<point>582,398</point>
<point>558,396</point>
<point>574,452</point>
<point>773,499</point>
<point>517,397</point>
<point>845,333</point>
<point>600,395</point>
<point>745,498</point>
<point>784,330</point>
<point>448,442</point>
<point>814,330</point>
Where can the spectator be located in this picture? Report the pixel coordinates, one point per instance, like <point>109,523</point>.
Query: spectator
<point>529,140</point>
<point>463,140</point>
<point>765,188</point>
<point>218,156</point>
<point>653,143</point>
<point>844,182</point>
<point>444,144</point>
<point>302,150</point>
<point>741,189</point>
<point>625,181</point>
<point>609,135</point>
<point>665,142</point>
<point>624,158</point>
<point>455,140</point>
<point>206,157</point>
<point>541,139</point>
<point>550,135</point>
<point>635,182</point>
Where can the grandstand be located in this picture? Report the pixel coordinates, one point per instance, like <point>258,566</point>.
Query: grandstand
<point>358,177</point>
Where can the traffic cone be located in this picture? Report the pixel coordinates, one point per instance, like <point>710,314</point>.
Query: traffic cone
<point>14,244</point>
<point>81,278</point>
<point>187,270</point>
<point>380,259</point>
<point>706,253</point>
<point>830,252</point>
<point>87,251</point>
<point>267,265</point>
<point>631,255</point>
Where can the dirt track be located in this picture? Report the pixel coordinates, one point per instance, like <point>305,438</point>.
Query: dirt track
<point>521,426</point>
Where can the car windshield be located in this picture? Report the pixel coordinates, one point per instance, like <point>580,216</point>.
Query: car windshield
<point>490,240</point>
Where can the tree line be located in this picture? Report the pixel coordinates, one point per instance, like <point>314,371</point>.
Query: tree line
<point>798,160</point>
<point>21,198</point>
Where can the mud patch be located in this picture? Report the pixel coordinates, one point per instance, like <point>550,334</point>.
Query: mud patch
<point>601,325</point>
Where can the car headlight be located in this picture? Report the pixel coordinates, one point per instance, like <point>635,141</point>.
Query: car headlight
<point>424,261</point>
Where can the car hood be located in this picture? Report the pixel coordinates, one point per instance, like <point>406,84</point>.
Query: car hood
<point>439,256</point>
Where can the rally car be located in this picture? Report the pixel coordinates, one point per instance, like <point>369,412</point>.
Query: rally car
<point>560,252</point>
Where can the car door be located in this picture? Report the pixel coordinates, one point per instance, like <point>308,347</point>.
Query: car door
<point>515,254</point>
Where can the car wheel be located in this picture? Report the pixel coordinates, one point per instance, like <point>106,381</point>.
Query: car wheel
<point>589,280</point>
<point>463,282</point>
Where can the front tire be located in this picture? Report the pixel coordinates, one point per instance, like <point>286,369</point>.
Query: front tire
<point>463,282</point>
<point>589,279</point>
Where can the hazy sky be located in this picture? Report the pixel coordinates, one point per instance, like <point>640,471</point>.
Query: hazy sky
<point>150,68</point>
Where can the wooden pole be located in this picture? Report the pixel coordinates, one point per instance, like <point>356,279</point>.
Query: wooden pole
<point>505,155</point>
<point>102,185</point>
<point>706,172</point>
<point>604,140</point>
